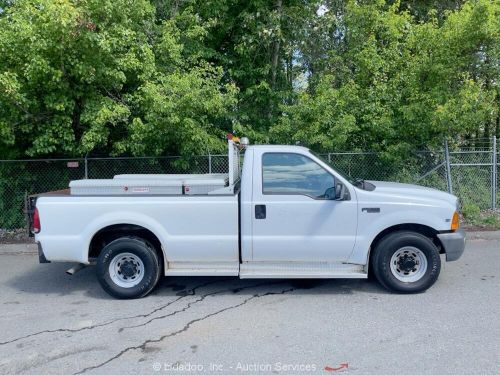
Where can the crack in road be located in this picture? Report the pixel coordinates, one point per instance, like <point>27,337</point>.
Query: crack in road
<point>200,299</point>
<point>190,292</point>
<point>184,329</point>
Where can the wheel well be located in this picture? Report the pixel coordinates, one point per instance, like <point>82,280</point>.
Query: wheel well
<point>429,232</point>
<point>112,232</point>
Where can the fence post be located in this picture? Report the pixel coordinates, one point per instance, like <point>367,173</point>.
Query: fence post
<point>448,168</point>
<point>209,162</point>
<point>86,166</point>
<point>494,175</point>
<point>329,158</point>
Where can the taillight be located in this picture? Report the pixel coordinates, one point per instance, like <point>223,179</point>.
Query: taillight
<point>36,221</point>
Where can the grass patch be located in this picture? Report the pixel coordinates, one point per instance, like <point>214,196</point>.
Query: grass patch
<point>485,219</point>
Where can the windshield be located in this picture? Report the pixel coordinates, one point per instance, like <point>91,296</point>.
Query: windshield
<point>359,183</point>
<point>348,178</point>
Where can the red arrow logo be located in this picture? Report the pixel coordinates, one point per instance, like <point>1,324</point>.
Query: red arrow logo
<point>342,365</point>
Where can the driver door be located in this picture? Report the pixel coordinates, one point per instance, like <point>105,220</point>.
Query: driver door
<point>293,218</point>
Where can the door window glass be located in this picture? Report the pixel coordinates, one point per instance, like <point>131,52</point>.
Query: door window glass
<point>289,173</point>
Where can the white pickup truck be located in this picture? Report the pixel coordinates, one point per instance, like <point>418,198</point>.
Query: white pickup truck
<point>285,214</point>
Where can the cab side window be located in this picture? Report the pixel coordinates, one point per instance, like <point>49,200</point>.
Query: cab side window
<point>289,173</point>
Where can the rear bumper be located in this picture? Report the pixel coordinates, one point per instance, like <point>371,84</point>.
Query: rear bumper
<point>453,244</point>
<point>61,248</point>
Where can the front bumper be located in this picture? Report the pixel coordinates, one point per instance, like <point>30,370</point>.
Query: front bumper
<point>453,244</point>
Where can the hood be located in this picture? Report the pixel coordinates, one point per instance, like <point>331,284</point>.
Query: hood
<point>417,191</point>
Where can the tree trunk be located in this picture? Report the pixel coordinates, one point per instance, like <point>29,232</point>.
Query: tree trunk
<point>275,59</point>
<point>276,46</point>
<point>76,124</point>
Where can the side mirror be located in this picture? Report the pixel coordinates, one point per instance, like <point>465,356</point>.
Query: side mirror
<point>330,194</point>
<point>340,191</point>
<point>336,193</point>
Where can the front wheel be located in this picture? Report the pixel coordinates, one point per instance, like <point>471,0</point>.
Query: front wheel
<point>128,267</point>
<point>406,262</point>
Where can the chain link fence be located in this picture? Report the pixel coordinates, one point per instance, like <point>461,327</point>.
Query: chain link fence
<point>468,172</point>
<point>20,178</point>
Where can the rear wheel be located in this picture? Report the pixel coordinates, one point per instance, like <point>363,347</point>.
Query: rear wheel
<point>406,262</point>
<point>128,267</point>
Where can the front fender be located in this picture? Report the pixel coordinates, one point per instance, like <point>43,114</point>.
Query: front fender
<point>372,224</point>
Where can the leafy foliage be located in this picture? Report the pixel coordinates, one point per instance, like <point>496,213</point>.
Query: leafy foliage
<point>163,76</point>
<point>86,75</point>
<point>396,84</point>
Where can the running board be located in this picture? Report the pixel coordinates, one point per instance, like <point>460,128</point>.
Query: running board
<point>301,270</point>
<point>202,269</point>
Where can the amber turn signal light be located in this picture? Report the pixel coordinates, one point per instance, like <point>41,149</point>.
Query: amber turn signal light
<point>455,221</point>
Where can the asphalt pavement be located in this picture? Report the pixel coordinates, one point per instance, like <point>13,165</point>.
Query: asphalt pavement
<point>53,323</point>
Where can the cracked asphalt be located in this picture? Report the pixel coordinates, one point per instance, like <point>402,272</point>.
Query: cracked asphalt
<point>52,323</point>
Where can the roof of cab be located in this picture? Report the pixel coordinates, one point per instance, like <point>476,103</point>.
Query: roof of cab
<point>278,147</point>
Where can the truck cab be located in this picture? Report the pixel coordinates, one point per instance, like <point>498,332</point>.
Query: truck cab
<point>296,208</point>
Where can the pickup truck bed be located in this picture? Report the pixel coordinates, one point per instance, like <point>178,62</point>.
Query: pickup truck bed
<point>194,230</point>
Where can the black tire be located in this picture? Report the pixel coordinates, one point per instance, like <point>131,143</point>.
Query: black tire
<point>141,249</point>
<point>392,243</point>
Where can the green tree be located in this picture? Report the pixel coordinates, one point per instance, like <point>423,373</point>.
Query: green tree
<point>81,76</point>
<point>170,76</point>
<point>393,83</point>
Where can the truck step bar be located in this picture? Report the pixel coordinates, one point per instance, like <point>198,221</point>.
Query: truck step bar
<point>202,269</point>
<point>307,270</point>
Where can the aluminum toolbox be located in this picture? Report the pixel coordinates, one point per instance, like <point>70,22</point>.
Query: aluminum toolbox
<point>197,186</point>
<point>125,187</point>
<point>205,176</point>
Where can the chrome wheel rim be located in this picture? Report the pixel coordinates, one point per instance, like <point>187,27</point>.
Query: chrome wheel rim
<point>126,270</point>
<point>408,264</point>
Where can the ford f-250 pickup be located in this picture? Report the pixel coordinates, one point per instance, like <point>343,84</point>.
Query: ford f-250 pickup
<point>285,214</point>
